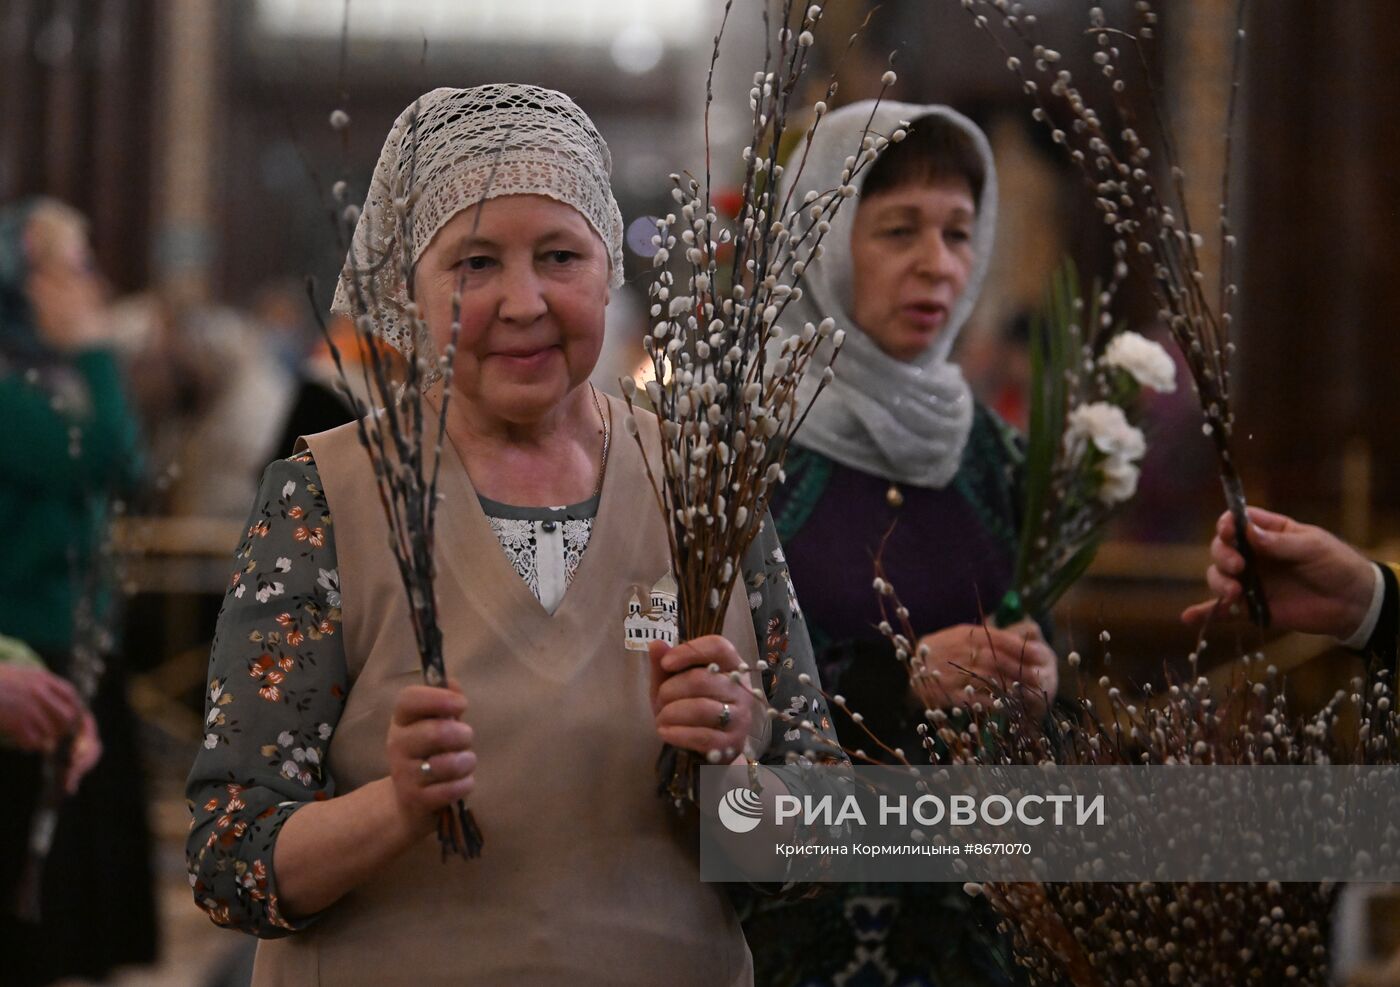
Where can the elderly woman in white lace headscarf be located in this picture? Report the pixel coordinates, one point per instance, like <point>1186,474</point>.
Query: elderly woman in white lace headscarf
<point>899,440</point>
<point>324,763</point>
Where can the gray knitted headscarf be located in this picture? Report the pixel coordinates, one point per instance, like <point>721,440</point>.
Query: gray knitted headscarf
<point>453,148</point>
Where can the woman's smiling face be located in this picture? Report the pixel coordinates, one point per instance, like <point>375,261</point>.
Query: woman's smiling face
<point>535,280</point>
<point>911,257</point>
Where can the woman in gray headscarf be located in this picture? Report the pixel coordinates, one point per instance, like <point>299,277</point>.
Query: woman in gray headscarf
<point>324,764</point>
<point>898,439</point>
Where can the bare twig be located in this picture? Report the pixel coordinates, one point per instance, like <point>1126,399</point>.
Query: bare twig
<point>1150,229</point>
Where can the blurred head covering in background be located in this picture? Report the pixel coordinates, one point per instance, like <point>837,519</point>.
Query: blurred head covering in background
<point>29,229</point>
<point>451,149</point>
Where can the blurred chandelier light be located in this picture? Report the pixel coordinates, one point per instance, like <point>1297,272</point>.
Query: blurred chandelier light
<point>536,21</point>
<point>638,49</point>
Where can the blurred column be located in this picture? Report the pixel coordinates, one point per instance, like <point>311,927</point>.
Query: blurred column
<point>41,99</point>
<point>1321,279</point>
<point>15,87</point>
<point>56,47</point>
<point>189,56</point>
<point>116,128</point>
<point>1201,38</point>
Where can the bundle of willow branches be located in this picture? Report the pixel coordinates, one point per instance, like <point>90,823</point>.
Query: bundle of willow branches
<point>1086,934</point>
<point>403,435</point>
<point>1095,934</point>
<point>726,374</point>
<point>1151,225</point>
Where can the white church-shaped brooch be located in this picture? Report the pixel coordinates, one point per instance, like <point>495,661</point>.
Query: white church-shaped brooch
<point>659,621</point>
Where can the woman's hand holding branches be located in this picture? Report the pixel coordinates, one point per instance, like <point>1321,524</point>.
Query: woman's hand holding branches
<point>700,696</point>
<point>427,729</point>
<point>981,656</point>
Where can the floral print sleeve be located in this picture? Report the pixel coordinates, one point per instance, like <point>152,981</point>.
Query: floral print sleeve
<point>277,684</point>
<point>803,727</point>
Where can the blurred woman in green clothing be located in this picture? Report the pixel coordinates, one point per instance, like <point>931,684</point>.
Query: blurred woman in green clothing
<point>69,439</point>
<point>68,446</point>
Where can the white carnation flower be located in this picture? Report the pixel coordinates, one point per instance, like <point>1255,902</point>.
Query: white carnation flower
<point>211,740</point>
<point>1107,428</point>
<point>1120,480</point>
<point>1145,361</point>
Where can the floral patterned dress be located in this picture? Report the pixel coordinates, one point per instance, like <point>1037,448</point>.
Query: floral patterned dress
<point>278,677</point>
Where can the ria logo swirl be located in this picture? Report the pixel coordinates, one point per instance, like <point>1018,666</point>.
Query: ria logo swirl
<point>741,810</point>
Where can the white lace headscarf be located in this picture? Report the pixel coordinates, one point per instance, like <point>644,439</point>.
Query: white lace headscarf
<point>904,421</point>
<point>453,148</point>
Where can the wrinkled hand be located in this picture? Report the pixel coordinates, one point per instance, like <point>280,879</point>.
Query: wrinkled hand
<point>38,709</point>
<point>688,697</point>
<point>427,726</point>
<point>981,655</point>
<point>1314,581</point>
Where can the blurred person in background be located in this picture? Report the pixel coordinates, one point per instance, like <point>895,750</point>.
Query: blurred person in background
<point>213,386</point>
<point>283,312</point>
<point>622,355</point>
<point>70,445</point>
<point>170,383</point>
<point>997,366</point>
<point>224,450</point>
